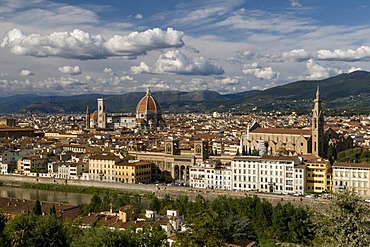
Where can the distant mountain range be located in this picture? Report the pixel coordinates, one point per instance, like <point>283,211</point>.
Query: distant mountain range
<point>345,92</point>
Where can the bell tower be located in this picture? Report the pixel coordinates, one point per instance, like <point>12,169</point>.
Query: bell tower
<point>102,117</point>
<point>317,126</point>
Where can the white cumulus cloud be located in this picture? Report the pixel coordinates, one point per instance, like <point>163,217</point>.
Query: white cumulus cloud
<point>353,69</point>
<point>295,3</point>
<point>82,45</point>
<point>361,53</point>
<point>226,81</point>
<point>71,70</point>
<point>318,71</point>
<point>141,68</point>
<point>177,62</point>
<point>25,72</point>
<point>139,16</point>
<point>259,72</point>
<point>297,55</point>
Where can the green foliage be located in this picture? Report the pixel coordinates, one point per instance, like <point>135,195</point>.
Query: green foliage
<point>104,237</point>
<point>205,230</point>
<point>155,204</point>
<point>346,223</point>
<point>152,235</point>
<point>37,208</point>
<point>34,230</point>
<point>53,210</point>
<point>357,155</point>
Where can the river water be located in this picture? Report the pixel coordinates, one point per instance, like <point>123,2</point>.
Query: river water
<point>44,195</point>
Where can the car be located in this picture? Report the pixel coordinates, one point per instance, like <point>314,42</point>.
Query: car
<point>367,200</point>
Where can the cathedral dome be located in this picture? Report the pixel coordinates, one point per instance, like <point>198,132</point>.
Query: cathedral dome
<point>149,113</point>
<point>148,104</point>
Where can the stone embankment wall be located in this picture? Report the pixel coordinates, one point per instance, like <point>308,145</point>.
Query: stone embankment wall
<point>162,191</point>
<point>14,180</point>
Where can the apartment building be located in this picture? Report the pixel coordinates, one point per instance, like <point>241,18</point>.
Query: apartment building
<point>317,175</point>
<point>354,176</point>
<point>102,167</point>
<point>274,174</point>
<point>27,165</point>
<point>133,171</point>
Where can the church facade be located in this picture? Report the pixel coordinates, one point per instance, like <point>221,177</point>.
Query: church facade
<point>306,141</point>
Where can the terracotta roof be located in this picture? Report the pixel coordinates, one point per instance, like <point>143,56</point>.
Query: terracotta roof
<point>286,158</point>
<point>16,206</point>
<point>282,131</point>
<point>148,103</point>
<point>350,165</point>
<point>104,157</point>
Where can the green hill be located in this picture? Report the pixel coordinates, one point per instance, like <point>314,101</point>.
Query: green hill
<point>348,93</point>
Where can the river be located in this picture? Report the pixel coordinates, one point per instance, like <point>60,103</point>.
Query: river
<point>44,195</point>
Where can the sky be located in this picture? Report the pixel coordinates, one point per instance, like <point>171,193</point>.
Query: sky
<point>118,46</point>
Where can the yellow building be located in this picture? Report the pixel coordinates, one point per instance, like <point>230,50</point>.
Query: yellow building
<point>133,172</point>
<point>316,175</point>
<point>127,213</point>
<point>101,167</point>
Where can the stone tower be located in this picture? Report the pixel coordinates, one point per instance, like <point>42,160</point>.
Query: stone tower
<point>87,118</point>
<point>102,116</point>
<point>317,126</point>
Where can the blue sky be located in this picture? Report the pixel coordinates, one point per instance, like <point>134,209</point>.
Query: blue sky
<point>64,48</point>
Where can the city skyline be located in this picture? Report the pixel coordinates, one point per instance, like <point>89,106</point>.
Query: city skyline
<point>59,47</point>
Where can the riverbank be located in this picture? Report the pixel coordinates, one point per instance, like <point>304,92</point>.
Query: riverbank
<point>78,186</point>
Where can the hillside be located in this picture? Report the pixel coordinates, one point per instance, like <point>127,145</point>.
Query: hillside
<point>345,92</point>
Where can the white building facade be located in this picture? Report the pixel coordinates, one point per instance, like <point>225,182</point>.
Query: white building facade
<point>354,176</point>
<point>273,174</point>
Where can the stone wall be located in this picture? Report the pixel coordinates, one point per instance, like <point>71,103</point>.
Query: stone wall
<point>16,179</point>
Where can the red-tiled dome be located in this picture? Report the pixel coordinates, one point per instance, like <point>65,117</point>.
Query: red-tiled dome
<point>148,104</point>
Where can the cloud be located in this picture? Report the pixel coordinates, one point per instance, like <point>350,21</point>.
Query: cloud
<point>139,16</point>
<point>126,78</point>
<point>70,70</point>
<point>243,56</point>
<point>318,71</point>
<point>353,69</point>
<point>108,71</point>
<point>26,72</point>
<point>361,53</point>
<point>298,55</point>
<point>82,45</point>
<point>178,63</point>
<point>142,68</point>
<point>259,72</point>
<point>226,81</point>
<point>295,3</point>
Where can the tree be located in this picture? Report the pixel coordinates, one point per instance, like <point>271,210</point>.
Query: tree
<point>37,208</point>
<point>152,235</point>
<point>300,227</point>
<point>2,227</point>
<point>19,230</point>
<point>102,236</point>
<point>206,229</point>
<point>155,204</point>
<point>53,211</point>
<point>345,223</point>
<point>95,203</point>
<point>49,231</point>
<point>280,219</point>
<point>332,153</point>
